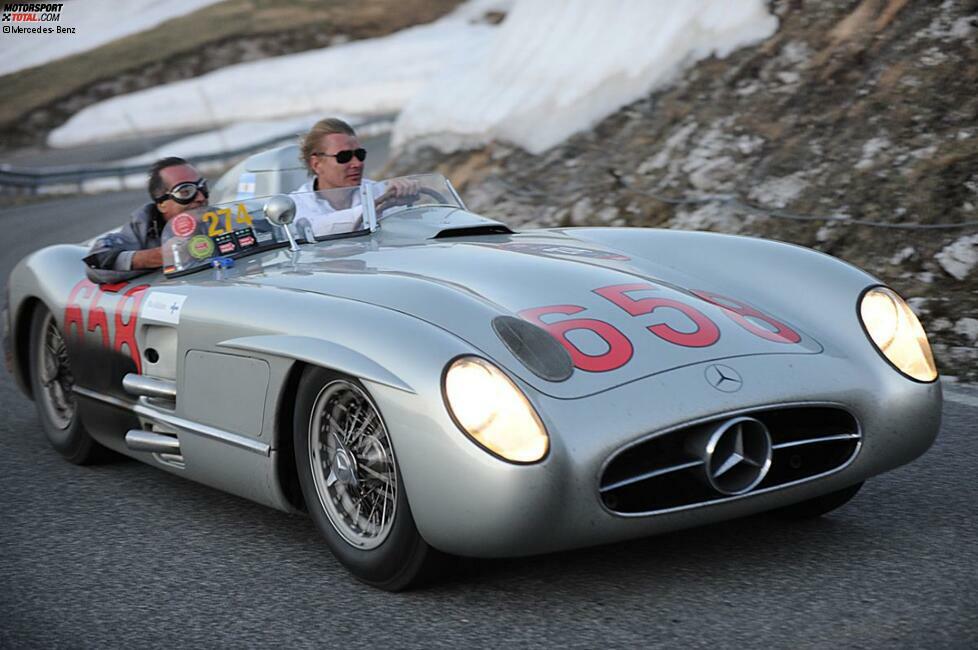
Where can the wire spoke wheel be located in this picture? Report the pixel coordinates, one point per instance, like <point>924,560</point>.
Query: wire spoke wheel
<point>352,463</point>
<point>56,380</point>
<point>352,484</point>
<point>53,387</point>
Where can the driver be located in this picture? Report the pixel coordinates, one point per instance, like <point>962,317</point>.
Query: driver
<point>175,186</point>
<point>334,157</point>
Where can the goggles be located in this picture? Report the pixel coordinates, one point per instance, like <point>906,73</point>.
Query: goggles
<point>184,193</point>
<point>345,156</point>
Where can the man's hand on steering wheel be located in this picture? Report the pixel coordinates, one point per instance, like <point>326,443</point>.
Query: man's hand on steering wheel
<point>397,191</point>
<point>407,191</point>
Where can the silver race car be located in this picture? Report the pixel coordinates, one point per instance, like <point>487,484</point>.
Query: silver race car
<point>428,383</point>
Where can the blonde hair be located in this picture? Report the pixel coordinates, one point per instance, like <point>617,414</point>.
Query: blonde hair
<point>321,128</point>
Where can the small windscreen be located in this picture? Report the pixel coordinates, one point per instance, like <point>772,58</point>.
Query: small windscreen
<point>405,192</point>
<point>193,238</point>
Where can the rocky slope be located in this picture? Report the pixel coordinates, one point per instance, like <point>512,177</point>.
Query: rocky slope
<point>853,130</point>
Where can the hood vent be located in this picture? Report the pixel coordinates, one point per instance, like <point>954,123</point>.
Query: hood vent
<point>474,231</point>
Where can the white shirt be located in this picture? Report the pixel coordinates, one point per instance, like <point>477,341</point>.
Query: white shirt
<point>316,217</point>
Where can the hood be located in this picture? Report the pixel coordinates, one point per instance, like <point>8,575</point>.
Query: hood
<point>621,318</point>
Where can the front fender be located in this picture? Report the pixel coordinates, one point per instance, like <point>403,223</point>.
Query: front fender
<point>322,353</point>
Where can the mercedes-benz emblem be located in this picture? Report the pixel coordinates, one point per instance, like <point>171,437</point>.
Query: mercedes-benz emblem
<point>344,468</point>
<point>724,378</point>
<point>738,455</point>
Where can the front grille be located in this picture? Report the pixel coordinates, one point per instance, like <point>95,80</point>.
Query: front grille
<point>662,473</point>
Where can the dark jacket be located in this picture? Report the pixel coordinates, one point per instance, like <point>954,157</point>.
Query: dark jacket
<point>110,258</point>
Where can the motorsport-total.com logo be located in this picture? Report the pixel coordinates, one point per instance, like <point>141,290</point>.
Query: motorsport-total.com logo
<point>33,12</point>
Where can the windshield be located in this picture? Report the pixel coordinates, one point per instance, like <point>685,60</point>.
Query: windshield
<point>194,238</point>
<point>327,213</point>
<point>397,194</point>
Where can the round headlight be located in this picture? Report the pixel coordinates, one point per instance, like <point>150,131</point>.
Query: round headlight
<point>491,409</point>
<point>896,332</point>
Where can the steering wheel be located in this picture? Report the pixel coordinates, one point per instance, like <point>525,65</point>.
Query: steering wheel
<point>435,194</point>
<point>410,199</point>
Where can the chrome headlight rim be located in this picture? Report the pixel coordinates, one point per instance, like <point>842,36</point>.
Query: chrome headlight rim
<point>876,347</point>
<point>479,445</point>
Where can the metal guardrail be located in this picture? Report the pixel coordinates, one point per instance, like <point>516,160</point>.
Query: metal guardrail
<point>32,180</point>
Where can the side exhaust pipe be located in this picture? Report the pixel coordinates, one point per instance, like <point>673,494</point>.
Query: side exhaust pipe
<point>139,440</point>
<point>141,385</point>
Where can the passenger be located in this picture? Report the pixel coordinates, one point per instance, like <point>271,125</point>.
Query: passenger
<point>175,186</point>
<point>334,157</point>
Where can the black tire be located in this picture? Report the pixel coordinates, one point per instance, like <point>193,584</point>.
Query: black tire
<point>388,554</point>
<point>819,505</point>
<point>51,384</point>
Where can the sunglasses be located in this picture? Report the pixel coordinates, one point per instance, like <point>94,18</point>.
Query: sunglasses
<point>184,193</point>
<point>345,156</point>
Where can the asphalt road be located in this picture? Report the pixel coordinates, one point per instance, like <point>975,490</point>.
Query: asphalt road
<point>123,555</point>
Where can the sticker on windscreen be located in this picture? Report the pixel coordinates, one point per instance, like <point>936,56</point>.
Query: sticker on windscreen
<point>226,244</point>
<point>183,225</point>
<point>245,238</point>
<point>201,247</point>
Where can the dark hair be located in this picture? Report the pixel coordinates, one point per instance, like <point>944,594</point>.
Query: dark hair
<point>156,185</point>
<point>323,127</point>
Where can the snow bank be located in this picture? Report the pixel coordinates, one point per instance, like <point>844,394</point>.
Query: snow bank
<point>549,73</point>
<point>251,134</point>
<point>96,22</point>
<point>374,76</point>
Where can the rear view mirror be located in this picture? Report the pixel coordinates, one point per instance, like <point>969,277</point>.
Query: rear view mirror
<point>280,210</point>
